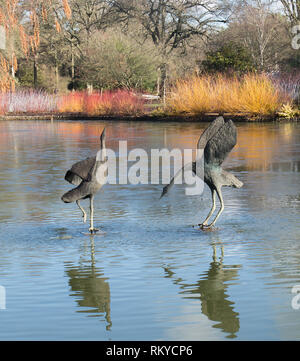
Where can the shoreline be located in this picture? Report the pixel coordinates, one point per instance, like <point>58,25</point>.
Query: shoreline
<point>244,118</point>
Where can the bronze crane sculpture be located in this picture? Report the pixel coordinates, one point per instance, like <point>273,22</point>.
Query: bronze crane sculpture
<point>89,175</point>
<point>216,142</point>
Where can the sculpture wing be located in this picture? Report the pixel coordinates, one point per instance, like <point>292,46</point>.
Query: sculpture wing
<point>221,144</point>
<point>210,131</point>
<point>80,171</point>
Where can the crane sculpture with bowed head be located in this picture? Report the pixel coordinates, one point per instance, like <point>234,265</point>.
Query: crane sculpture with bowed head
<point>216,142</point>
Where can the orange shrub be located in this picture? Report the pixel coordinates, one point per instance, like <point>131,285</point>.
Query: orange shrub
<point>71,103</point>
<point>125,102</point>
<point>109,102</point>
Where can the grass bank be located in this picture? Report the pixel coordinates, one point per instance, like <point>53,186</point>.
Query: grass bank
<point>199,98</point>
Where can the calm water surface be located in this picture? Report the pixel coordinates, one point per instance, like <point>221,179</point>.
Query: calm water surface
<point>151,276</point>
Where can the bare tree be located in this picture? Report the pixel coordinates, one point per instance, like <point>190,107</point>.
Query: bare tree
<point>292,10</point>
<point>88,16</point>
<point>260,30</point>
<point>170,24</point>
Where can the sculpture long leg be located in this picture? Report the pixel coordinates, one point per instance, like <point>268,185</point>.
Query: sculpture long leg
<point>219,193</point>
<point>82,210</point>
<point>92,229</point>
<point>213,194</point>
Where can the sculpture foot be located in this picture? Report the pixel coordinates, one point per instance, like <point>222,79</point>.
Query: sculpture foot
<point>207,227</point>
<point>94,230</point>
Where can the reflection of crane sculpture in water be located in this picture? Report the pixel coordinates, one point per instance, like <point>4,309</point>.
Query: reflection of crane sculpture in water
<point>91,288</point>
<point>89,177</point>
<point>216,141</point>
<point>211,289</point>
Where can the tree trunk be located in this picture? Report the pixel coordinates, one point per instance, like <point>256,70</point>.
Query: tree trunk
<point>13,73</point>
<point>162,83</point>
<point>89,88</point>
<point>157,85</point>
<point>72,67</point>
<point>56,73</point>
<point>35,75</point>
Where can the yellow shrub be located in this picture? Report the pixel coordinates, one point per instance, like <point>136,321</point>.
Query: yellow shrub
<point>253,93</point>
<point>259,95</point>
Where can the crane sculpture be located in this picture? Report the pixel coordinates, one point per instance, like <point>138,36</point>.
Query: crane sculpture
<point>216,142</point>
<point>89,175</point>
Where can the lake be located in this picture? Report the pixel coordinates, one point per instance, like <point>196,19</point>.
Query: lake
<point>149,275</point>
